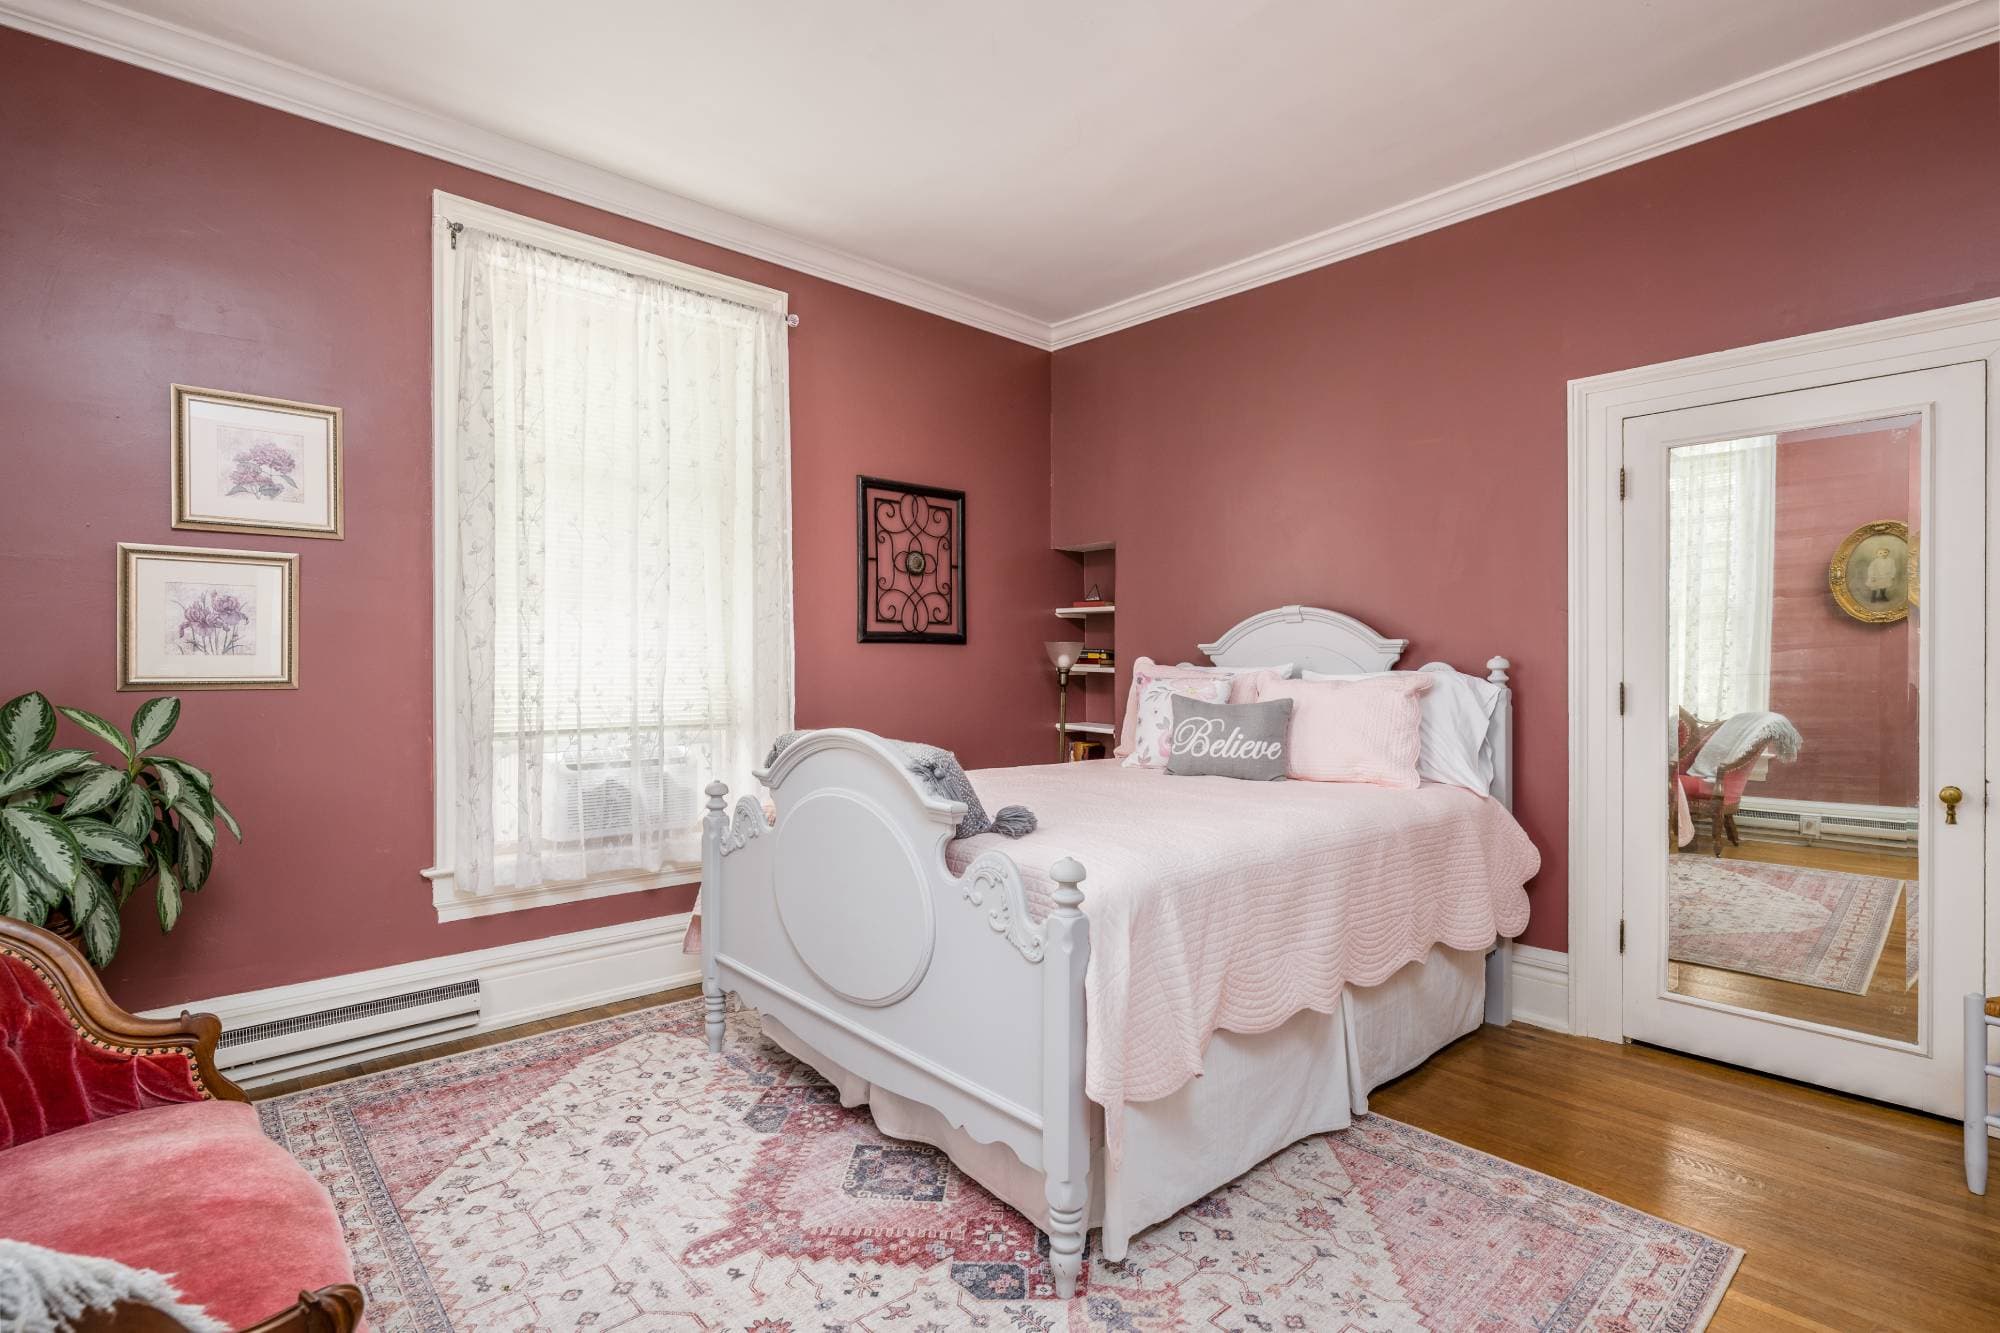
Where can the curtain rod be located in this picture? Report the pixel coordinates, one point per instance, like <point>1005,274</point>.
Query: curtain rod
<point>791,320</point>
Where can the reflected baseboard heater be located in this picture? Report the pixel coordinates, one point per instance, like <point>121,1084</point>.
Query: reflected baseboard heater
<point>1827,824</point>
<point>347,1034</point>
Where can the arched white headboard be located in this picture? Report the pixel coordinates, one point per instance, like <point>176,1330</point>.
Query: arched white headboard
<point>1315,639</point>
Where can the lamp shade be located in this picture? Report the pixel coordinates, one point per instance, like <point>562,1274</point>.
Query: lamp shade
<point>1064,652</point>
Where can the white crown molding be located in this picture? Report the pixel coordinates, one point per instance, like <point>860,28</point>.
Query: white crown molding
<point>175,51</point>
<point>1952,30</point>
<point>169,49</point>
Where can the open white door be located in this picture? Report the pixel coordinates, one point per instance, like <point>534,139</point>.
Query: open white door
<point>1804,589</point>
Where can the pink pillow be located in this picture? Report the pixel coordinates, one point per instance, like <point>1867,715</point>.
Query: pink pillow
<point>1242,690</point>
<point>1363,730</point>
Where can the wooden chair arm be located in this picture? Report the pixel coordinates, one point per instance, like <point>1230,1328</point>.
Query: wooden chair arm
<point>102,1021</point>
<point>329,1310</point>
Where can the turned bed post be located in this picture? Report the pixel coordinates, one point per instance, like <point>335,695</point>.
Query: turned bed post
<point>1065,1112</point>
<point>713,825</point>
<point>1500,962</point>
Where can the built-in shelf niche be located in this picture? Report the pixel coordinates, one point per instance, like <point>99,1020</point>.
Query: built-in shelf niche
<point>1093,689</point>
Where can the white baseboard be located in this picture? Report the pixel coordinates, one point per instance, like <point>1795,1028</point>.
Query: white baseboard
<point>518,983</point>
<point>1540,979</point>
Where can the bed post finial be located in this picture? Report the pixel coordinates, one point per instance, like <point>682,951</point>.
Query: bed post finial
<point>714,825</point>
<point>1065,1113</point>
<point>1496,670</point>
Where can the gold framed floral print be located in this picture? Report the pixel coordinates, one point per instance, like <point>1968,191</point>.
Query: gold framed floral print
<point>191,618</point>
<point>245,463</point>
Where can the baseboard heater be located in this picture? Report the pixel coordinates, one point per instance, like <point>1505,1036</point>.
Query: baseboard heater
<point>1853,826</point>
<point>305,1043</point>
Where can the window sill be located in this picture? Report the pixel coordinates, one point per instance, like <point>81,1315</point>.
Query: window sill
<point>452,905</point>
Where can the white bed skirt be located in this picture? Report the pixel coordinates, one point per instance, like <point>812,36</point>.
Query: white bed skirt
<point>1256,1095</point>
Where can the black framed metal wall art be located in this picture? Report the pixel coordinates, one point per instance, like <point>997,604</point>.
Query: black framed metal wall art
<point>912,562</point>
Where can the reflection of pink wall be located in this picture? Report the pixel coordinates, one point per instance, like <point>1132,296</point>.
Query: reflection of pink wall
<point>1849,687</point>
<point>152,231</point>
<point>1385,435</point>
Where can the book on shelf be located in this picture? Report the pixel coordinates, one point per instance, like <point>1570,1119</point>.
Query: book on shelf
<point>1089,602</point>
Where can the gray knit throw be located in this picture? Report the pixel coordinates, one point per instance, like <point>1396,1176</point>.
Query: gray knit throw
<point>941,773</point>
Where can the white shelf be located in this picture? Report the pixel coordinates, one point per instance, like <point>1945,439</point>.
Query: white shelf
<point>1091,728</point>
<point>1079,612</point>
<point>1092,669</point>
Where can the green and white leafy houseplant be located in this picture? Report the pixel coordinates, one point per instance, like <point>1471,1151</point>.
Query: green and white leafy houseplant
<point>79,834</point>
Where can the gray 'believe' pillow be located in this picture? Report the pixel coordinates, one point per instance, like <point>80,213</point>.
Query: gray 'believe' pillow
<point>1229,740</point>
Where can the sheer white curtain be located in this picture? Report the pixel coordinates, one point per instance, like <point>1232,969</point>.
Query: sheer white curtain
<point>623,562</point>
<point>1720,549</point>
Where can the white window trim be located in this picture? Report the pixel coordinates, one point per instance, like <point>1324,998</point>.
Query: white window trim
<point>446,209</point>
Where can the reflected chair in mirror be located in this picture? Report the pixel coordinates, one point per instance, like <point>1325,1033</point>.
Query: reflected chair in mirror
<point>1717,798</point>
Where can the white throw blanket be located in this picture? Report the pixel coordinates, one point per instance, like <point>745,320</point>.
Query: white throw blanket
<point>44,1291</point>
<point>1217,905</point>
<point>1741,735</point>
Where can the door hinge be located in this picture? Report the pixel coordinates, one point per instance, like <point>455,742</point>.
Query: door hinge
<point>1621,934</point>
<point>1621,483</point>
<point>1621,698</point>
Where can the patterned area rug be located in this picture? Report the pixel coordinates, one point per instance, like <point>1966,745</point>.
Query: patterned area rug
<point>1912,936</point>
<point>1822,928</point>
<point>617,1175</point>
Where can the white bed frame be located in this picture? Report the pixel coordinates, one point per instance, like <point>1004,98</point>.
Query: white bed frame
<point>842,921</point>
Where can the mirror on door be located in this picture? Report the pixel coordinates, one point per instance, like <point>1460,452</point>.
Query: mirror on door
<point>1792,832</point>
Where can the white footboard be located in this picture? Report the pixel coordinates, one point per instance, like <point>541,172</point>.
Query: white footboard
<point>843,921</point>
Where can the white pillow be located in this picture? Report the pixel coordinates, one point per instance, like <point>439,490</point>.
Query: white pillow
<point>1152,737</point>
<point>1456,742</point>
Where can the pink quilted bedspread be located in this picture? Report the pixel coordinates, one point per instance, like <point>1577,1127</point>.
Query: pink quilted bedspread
<point>1216,904</point>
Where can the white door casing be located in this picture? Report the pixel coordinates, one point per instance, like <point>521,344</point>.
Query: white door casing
<point>1598,409</point>
<point>1950,628</point>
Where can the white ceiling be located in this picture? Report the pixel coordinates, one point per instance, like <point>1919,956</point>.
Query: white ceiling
<point>1048,164</point>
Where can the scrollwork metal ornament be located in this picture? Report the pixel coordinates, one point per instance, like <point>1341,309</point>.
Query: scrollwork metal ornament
<point>911,582</point>
<point>992,882</point>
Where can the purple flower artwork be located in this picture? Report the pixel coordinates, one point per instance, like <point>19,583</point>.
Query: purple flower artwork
<point>262,463</point>
<point>216,620</point>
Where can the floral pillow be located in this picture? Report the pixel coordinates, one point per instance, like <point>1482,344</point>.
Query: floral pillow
<point>1152,733</point>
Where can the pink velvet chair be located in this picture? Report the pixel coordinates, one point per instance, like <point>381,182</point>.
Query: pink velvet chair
<point>119,1139</point>
<point>1719,800</point>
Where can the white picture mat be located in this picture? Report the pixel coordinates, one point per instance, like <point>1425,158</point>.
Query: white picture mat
<point>207,445</point>
<point>155,613</point>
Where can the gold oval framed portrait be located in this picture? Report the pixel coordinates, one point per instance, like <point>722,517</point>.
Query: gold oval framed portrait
<point>1873,576</point>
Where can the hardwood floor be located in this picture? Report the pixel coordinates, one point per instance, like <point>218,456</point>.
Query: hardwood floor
<point>1889,1009</point>
<point>1852,1215</point>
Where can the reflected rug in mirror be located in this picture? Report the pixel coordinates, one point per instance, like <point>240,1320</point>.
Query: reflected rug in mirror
<point>615,1174</point>
<point>1822,928</point>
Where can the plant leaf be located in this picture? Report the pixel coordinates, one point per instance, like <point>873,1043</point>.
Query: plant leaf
<point>40,768</point>
<point>104,844</point>
<point>222,813</point>
<point>192,780</point>
<point>88,895</point>
<point>154,721</point>
<point>195,821</point>
<point>27,725</point>
<point>99,789</point>
<point>18,897</point>
<point>135,813</point>
<point>195,861</point>
<point>105,730</point>
<point>100,935</point>
<point>172,785</point>
<point>167,896</point>
<point>44,842</point>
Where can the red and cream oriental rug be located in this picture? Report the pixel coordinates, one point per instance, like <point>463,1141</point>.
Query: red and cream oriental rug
<point>616,1175</point>
<point>1822,928</point>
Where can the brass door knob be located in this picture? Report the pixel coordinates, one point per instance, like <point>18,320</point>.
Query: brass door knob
<point>1951,796</point>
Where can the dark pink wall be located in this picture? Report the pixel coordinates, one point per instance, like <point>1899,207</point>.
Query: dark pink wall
<point>1849,687</point>
<point>153,232</point>
<point>1386,436</point>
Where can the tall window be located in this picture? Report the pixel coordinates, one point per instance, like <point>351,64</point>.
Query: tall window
<point>614,558</point>
<point>1722,520</point>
